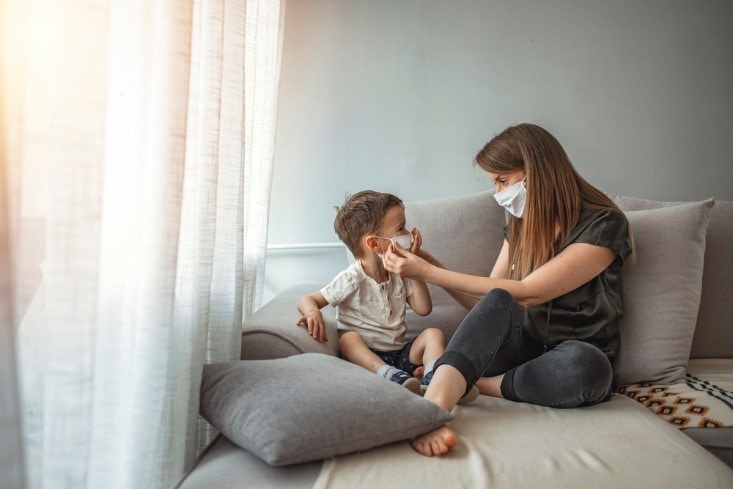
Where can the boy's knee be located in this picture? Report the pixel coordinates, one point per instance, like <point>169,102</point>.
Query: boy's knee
<point>349,338</point>
<point>433,335</point>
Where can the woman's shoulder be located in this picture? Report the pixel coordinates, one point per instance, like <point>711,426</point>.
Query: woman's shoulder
<point>603,227</point>
<point>599,225</point>
<point>605,216</point>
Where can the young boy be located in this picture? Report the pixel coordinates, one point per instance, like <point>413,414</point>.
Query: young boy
<point>371,302</point>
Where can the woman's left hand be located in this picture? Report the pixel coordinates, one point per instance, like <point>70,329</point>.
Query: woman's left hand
<point>416,241</point>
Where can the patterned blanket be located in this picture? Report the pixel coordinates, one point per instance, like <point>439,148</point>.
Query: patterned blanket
<point>694,404</point>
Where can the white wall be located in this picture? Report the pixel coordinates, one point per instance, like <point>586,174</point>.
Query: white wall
<point>399,95</point>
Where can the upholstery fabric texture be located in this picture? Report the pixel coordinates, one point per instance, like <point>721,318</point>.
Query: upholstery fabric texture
<point>270,334</point>
<point>505,444</point>
<point>624,442</point>
<point>309,407</point>
<point>713,336</point>
<point>717,372</point>
<point>466,234</point>
<point>662,293</point>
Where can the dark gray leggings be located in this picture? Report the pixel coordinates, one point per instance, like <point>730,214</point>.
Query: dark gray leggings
<point>490,342</point>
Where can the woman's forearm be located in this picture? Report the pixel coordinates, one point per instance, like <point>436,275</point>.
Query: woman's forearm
<point>464,299</point>
<point>430,259</point>
<point>465,289</point>
<point>468,289</point>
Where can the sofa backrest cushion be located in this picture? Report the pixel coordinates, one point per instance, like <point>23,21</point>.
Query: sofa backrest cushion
<point>713,337</point>
<point>466,234</point>
<point>714,332</point>
<point>661,293</point>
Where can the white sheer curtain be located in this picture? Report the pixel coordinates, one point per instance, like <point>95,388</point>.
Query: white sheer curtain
<point>136,155</point>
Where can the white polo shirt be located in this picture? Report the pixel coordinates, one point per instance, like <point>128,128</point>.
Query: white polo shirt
<point>374,310</point>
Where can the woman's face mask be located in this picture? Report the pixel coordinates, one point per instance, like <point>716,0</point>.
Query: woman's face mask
<point>512,198</point>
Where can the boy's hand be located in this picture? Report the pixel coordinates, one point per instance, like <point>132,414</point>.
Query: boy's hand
<point>315,324</point>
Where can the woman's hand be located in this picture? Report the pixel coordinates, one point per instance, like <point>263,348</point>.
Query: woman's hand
<point>406,264</point>
<point>420,265</point>
<point>416,241</point>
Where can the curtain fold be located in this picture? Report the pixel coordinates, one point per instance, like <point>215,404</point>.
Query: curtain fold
<point>12,462</point>
<point>138,156</point>
<point>11,448</point>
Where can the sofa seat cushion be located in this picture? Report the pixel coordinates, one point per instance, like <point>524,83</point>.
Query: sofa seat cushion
<point>224,465</point>
<point>504,444</point>
<point>702,407</point>
<point>718,371</point>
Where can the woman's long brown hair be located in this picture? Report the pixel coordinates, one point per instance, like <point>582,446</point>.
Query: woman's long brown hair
<point>556,194</point>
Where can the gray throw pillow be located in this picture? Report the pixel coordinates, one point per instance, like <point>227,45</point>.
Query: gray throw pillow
<point>661,293</point>
<point>309,407</point>
<point>713,338</point>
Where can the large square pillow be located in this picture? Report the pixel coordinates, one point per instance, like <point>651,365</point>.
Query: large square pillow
<point>712,334</point>
<point>661,293</point>
<point>309,407</point>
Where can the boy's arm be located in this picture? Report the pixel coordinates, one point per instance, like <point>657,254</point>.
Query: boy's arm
<point>420,300</point>
<point>310,307</point>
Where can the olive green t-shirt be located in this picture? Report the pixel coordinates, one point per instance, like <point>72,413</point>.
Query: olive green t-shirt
<point>590,312</point>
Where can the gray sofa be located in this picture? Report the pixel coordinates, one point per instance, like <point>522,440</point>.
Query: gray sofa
<point>671,422</point>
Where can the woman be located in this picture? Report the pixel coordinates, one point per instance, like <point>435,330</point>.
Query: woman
<point>542,327</point>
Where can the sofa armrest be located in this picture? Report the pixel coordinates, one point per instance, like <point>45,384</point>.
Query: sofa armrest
<point>271,331</point>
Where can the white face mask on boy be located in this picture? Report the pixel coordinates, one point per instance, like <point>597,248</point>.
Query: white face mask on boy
<point>404,241</point>
<point>512,198</point>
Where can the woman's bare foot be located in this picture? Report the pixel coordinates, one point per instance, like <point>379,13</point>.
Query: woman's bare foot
<point>437,442</point>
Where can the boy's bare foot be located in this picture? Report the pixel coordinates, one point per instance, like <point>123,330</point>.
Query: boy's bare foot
<point>437,442</point>
<point>418,373</point>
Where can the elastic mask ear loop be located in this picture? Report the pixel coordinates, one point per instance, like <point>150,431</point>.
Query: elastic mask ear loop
<point>381,255</point>
<point>393,240</point>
